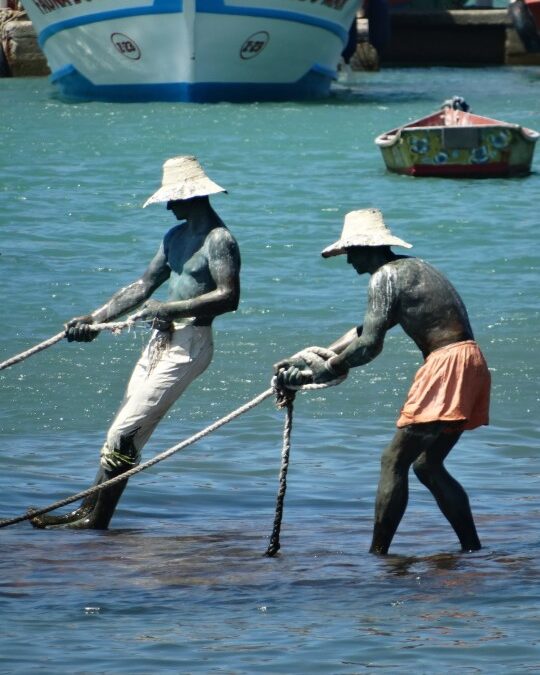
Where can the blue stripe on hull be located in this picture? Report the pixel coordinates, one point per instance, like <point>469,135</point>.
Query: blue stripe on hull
<point>159,7</point>
<point>206,7</point>
<point>219,7</point>
<point>71,85</point>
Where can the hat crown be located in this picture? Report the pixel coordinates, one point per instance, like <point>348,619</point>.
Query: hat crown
<point>364,227</point>
<point>178,169</point>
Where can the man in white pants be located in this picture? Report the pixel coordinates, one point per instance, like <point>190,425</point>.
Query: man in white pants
<point>201,260</point>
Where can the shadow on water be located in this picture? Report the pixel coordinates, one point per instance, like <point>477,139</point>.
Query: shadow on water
<point>356,93</point>
<point>233,556</point>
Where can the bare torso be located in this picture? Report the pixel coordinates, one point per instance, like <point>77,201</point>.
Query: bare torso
<point>199,264</point>
<point>411,293</point>
<point>199,259</point>
<point>423,302</point>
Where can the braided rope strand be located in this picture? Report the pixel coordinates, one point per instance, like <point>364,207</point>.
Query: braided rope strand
<point>34,350</point>
<point>284,399</point>
<point>274,545</point>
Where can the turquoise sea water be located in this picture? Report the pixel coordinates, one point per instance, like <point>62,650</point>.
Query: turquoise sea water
<point>179,584</point>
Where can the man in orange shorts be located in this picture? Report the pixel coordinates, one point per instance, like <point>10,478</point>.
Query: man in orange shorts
<point>450,392</point>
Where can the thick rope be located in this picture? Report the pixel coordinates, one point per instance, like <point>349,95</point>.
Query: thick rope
<point>274,545</point>
<point>285,398</point>
<point>115,327</point>
<point>146,465</point>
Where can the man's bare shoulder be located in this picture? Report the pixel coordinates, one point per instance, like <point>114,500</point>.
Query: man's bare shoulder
<point>221,237</point>
<point>221,231</point>
<point>406,268</point>
<point>407,276</point>
<point>395,271</point>
<point>221,248</point>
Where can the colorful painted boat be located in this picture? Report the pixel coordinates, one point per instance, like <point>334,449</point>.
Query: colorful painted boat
<point>454,142</point>
<point>192,50</point>
<point>525,16</point>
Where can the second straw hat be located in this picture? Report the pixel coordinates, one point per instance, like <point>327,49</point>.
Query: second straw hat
<point>363,228</point>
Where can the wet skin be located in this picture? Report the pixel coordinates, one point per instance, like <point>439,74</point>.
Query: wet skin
<point>202,266</point>
<point>408,292</point>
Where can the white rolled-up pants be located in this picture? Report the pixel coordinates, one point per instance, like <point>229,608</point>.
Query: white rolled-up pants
<point>152,391</point>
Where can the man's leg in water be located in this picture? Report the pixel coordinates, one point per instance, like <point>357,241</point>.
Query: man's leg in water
<point>425,446</point>
<point>97,509</point>
<point>449,494</point>
<point>393,489</point>
<point>99,517</point>
<point>147,399</point>
<point>83,510</point>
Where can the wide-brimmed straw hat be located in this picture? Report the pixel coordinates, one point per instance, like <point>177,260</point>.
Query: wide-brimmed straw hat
<point>363,228</point>
<point>183,178</point>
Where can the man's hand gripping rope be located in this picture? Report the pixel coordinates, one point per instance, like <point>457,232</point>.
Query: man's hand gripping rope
<point>90,330</point>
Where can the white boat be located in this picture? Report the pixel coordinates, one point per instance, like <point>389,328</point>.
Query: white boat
<point>192,50</point>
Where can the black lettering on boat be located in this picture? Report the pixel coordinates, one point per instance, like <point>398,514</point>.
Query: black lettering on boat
<point>126,46</point>
<point>254,45</point>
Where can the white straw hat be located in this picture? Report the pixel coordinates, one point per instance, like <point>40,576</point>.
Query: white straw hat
<point>363,228</point>
<point>183,178</point>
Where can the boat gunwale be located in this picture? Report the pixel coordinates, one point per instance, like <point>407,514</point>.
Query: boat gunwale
<point>173,8</point>
<point>391,137</point>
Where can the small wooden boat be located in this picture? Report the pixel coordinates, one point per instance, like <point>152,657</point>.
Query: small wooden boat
<point>453,142</point>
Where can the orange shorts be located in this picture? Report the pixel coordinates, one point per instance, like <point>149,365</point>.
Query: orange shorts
<point>453,385</point>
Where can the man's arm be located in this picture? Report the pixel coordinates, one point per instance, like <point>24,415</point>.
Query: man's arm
<point>345,340</point>
<point>379,318</point>
<point>359,345</point>
<point>127,298</point>
<point>361,349</point>
<point>298,360</point>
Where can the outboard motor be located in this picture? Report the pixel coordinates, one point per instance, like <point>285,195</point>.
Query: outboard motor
<point>456,103</point>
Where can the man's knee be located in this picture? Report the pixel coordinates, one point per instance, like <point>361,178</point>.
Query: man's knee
<point>398,456</point>
<point>422,469</point>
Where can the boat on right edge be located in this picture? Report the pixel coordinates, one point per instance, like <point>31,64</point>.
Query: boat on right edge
<point>455,143</point>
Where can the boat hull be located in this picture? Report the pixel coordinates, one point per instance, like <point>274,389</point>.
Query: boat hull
<point>192,50</point>
<point>473,146</point>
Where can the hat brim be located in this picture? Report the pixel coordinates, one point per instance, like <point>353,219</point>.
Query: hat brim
<point>340,246</point>
<point>171,193</point>
<point>334,249</point>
